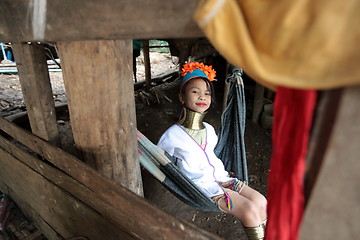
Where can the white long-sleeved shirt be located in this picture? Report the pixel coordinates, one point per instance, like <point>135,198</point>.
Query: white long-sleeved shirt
<point>199,164</point>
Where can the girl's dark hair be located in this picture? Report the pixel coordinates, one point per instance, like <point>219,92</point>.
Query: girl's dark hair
<point>208,83</point>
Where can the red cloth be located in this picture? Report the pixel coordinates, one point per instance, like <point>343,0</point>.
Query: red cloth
<point>293,113</point>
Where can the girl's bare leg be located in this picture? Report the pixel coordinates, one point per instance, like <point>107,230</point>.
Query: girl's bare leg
<point>247,212</point>
<point>256,198</point>
<point>243,209</point>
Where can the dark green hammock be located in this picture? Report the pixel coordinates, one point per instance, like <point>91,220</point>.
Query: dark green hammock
<point>231,144</point>
<point>230,147</point>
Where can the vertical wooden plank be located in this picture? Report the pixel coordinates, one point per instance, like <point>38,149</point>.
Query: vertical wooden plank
<point>36,88</point>
<point>100,91</point>
<point>333,209</point>
<point>147,64</point>
<point>258,102</point>
<point>324,118</point>
<point>229,71</point>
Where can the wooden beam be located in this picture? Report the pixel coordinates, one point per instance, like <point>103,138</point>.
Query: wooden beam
<point>62,181</point>
<point>146,51</point>
<point>258,102</point>
<point>333,209</point>
<point>136,215</point>
<point>67,20</point>
<point>326,110</point>
<point>36,88</point>
<point>67,215</point>
<point>100,92</point>
<point>30,213</point>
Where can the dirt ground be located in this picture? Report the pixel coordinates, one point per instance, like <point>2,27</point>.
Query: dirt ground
<point>153,120</point>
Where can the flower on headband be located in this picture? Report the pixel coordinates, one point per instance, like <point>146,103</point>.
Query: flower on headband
<point>191,66</point>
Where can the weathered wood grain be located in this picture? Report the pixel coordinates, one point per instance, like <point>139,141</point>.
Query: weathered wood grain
<point>36,88</point>
<point>100,93</point>
<point>64,182</point>
<point>67,20</point>
<point>30,213</point>
<point>146,52</point>
<point>67,215</point>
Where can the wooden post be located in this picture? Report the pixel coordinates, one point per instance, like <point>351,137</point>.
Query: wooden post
<point>333,208</point>
<point>324,119</point>
<point>100,91</point>
<point>147,64</point>
<point>229,70</point>
<point>36,88</point>
<point>258,102</point>
<point>226,93</point>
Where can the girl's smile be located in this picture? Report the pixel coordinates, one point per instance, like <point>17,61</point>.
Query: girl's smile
<point>201,104</point>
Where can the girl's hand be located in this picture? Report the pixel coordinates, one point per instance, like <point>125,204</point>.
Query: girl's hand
<point>228,183</point>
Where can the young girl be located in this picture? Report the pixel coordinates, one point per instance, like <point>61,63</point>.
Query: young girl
<point>192,141</point>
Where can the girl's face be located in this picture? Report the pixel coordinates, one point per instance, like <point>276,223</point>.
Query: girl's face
<point>197,95</point>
